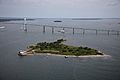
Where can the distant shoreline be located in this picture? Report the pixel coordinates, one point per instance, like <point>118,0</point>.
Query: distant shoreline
<point>13,19</point>
<point>86,18</point>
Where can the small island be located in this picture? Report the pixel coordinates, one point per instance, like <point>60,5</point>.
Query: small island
<point>57,21</point>
<point>59,48</point>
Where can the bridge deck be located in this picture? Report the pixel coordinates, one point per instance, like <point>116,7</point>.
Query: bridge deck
<point>73,28</point>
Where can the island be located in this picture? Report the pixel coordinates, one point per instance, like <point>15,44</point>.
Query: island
<point>57,21</point>
<point>59,48</point>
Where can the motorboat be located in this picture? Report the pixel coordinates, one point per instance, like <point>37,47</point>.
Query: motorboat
<point>62,31</point>
<point>2,27</point>
<point>66,56</point>
<point>22,53</point>
<point>100,53</point>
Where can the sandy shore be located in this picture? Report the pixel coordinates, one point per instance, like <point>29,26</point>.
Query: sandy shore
<point>49,54</point>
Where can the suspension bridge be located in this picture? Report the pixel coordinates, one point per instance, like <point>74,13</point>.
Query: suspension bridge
<point>83,30</point>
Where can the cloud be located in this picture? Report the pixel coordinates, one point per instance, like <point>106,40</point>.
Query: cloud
<point>57,8</point>
<point>60,2</point>
<point>68,4</point>
<point>107,2</point>
<point>113,2</point>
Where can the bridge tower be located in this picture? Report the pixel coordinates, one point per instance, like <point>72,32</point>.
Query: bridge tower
<point>24,24</point>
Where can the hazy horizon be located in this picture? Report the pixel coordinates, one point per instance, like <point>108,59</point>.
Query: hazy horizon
<point>55,17</point>
<point>60,8</point>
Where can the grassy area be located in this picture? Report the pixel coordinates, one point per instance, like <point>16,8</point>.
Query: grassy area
<point>58,47</point>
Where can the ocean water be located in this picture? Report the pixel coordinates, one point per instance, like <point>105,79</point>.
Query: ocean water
<point>13,39</point>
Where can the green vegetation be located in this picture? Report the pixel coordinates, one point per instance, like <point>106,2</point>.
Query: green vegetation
<point>58,47</point>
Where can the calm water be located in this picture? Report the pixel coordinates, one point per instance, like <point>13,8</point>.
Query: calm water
<point>13,67</point>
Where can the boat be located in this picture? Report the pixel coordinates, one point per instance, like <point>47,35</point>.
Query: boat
<point>62,31</point>
<point>22,53</point>
<point>100,53</point>
<point>66,56</point>
<point>2,27</point>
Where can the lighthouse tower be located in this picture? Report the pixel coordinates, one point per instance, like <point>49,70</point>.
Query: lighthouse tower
<point>24,24</point>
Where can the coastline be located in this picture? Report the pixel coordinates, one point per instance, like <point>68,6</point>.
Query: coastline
<point>69,56</point>
<point>57,48</point>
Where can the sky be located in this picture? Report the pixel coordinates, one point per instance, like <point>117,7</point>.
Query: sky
<point>60,8</point>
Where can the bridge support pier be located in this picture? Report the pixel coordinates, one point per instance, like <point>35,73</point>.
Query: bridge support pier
<point>24,24</point>
<point>117,32</point>
<point>52,30</point>
<point>83,31</point>
<point>108,32</point>
<point>25,27</point>
<point>43,29</point>
<point>96,32</point>
<point>73,30</point>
